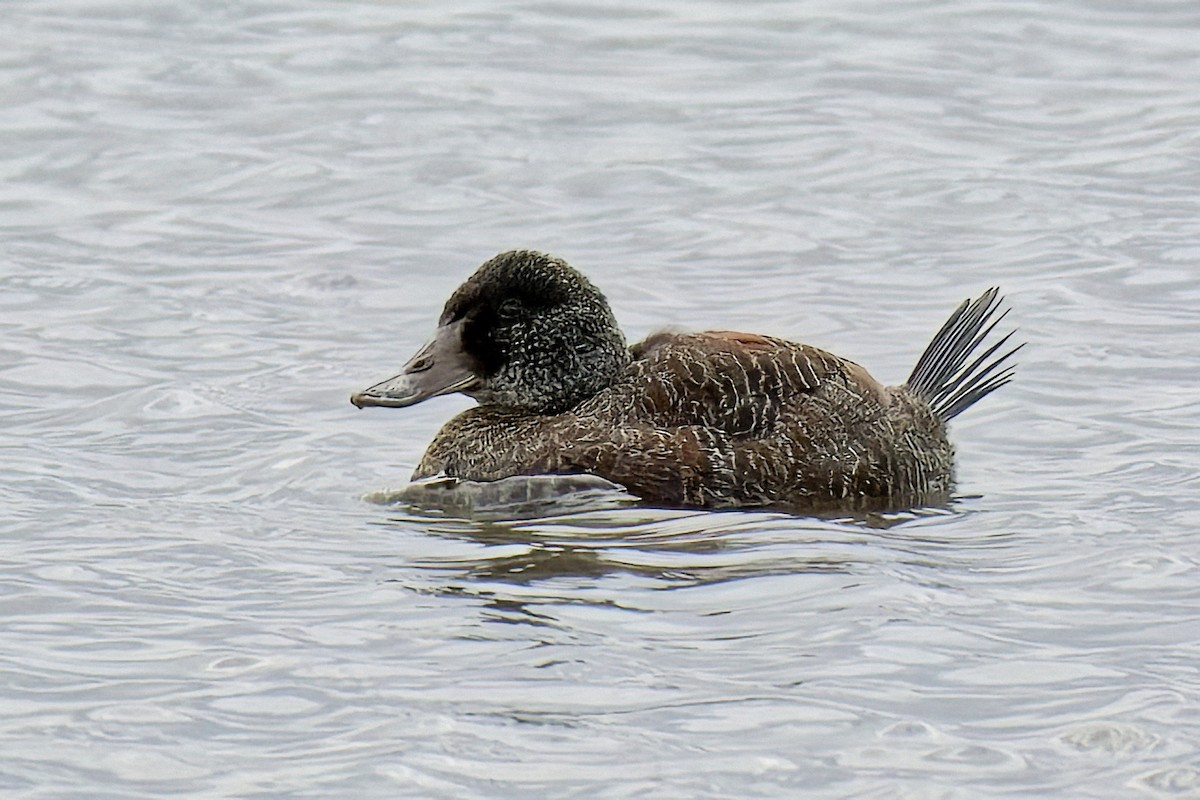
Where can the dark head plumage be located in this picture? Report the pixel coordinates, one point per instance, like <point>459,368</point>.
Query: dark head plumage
<point>526,331</point>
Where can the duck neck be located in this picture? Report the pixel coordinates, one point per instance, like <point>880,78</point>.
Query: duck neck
<point>557,381</point>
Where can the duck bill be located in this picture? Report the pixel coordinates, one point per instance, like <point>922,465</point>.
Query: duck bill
<point>440,367</point>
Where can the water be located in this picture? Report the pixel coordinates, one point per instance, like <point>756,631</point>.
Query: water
<point>220,219</point>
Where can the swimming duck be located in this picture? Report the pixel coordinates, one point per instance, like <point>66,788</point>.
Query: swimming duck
<point>713,419</point>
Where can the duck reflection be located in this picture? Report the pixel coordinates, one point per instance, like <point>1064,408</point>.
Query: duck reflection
<point>669,547</point>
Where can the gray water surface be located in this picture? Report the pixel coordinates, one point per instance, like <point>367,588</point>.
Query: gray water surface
<point>219,219</point>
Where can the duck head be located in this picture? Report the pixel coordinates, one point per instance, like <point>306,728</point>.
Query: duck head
<point>526,331</point>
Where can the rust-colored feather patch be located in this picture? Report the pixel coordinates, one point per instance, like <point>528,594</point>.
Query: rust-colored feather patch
<point>752,341</point>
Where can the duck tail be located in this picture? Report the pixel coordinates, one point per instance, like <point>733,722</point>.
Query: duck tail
<point>942,376</point>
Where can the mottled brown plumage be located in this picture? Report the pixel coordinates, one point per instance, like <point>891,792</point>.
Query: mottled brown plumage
<point>715,419</point>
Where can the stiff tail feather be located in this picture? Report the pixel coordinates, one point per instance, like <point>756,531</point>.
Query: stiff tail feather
<point>942,375</point>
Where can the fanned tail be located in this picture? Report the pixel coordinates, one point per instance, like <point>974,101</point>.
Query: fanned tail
<point>942,375</point>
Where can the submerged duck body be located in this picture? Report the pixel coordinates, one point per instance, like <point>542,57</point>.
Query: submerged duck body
<point>713,419</point>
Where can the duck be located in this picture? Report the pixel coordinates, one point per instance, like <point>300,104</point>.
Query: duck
<point>714,419</point>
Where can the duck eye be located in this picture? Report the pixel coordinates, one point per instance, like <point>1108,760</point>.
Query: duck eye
<point>509,308</point>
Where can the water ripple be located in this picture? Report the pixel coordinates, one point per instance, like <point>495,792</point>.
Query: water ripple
<point>219,221</point>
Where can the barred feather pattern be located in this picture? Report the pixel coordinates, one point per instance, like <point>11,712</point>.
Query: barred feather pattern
<point>722,419</point>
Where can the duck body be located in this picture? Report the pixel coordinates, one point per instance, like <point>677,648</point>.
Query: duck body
<point>714,419</point>
<point>719,419</point>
